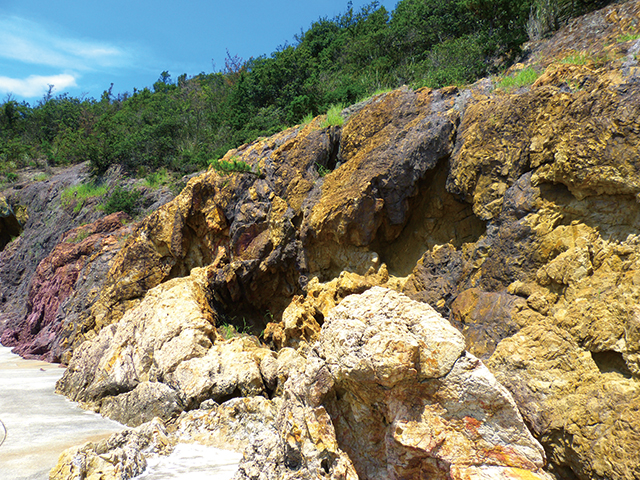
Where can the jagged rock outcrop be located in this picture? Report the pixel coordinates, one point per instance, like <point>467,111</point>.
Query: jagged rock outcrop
<point>267,235</point>
<point>588,420</point>
<point>62,273</point>
<point>303,318</point>
<point>389,392</point>
<point>169,341</point>
<point>513,212</point>
<point>52,271</point>
<point>121,456</point>
<point>232,425</point>
<point>44,221</point>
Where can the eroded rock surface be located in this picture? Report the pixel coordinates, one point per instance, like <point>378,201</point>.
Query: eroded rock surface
<point>588,421</point>
<point>513,212</point>
<point>53,270</point>
<point>121,456</point>
<point>63,273</point>
<point>389,392</point>
<point>170,338</point>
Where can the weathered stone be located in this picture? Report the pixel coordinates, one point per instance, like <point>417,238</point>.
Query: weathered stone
<point>303,318</point>
<point>43,224</point>
<point>235,424</point>
<point>170,338</point>
<point>10,226</point>
<point>388,392</point>
<point>145,402</point>
<point>588,421</point>
<point>486,318</point>
<point>56,278</point>
<point>50,274</point>
<point>121,456</point>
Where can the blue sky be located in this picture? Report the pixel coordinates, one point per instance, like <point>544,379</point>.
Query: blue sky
<point>82,47</point>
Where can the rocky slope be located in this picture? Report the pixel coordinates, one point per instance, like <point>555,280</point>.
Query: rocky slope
<point>512,212</point>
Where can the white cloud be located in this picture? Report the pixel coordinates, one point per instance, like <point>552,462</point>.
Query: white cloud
<point>30,42</point>
<point>35,85</point>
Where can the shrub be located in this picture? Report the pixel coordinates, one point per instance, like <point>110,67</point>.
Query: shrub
<point>158,178</point>
<point>122,200</point>
<point>234,165</point>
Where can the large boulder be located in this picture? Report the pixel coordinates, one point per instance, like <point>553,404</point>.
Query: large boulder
<point>388,391</point>
<point>121,456</point>
<point>169,338</point>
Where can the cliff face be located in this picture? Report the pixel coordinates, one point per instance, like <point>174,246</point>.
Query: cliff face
<point>512,212</point>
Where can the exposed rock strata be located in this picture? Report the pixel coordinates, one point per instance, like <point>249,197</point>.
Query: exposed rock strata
<point>44,222</point>
<point>266,236</point>
<point>51,273</point>
<point>588,421</point>
<point>61,274</point>
<point>520,208</point>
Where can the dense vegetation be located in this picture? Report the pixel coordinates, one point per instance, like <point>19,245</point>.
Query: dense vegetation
<point>181,125</point>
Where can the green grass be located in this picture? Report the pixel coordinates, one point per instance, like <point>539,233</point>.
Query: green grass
<point>41,177</point>
<point>322,170</point>
<point>158,178</point>
<point>233,165</point>
<point>586,59</point>
<point>78,194</point>
<point>81,235</point>
<point>520,79</point>
<point>628,37</point>
<point>227,330</point>
<point>308,118</point>
<point>576,59</point>
<point>334,118</point>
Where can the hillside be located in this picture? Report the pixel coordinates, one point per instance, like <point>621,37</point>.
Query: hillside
<point>182,123</point>
<point>443,283</point>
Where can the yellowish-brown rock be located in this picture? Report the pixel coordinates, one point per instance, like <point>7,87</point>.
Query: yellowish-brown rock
<point>170,337</point>
<point>389,392</point>
<point>587,420</point>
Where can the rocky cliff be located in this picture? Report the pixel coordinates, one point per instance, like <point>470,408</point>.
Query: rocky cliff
<point>249,309</point>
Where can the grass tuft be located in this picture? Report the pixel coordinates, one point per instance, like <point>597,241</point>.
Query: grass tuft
<point>522,78</point>
<point>79,194</point>
<point>334,117</point>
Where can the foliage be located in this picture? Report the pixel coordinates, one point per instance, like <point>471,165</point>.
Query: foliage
<point>521,78</point>
<point>122,200</point>
<point>180,124</point>
<point>77,195</point>
<point>80,236</point>
<point>583,58</point>
<point>628,37</point>
<point>547,16</point>
<point>82,192</point>
<point>233,165</point>
<point>307,119</point>
<point>334,116</point>
<point>228,330</point>
<point>158,178</point>
<point>322,170</point>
